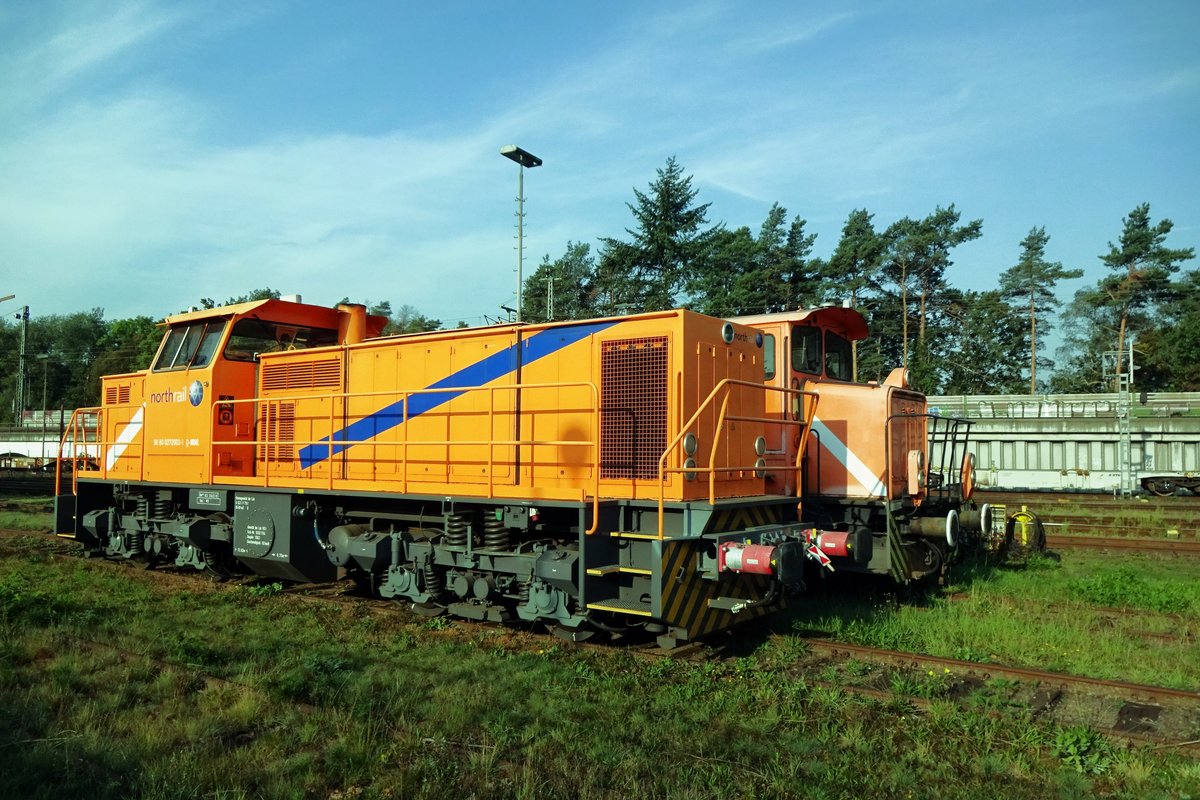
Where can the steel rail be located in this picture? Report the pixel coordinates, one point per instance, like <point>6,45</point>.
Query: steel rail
<point>1189,547</point>
<point>1133,691</point>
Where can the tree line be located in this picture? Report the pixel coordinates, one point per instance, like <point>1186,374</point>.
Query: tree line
<point>66,354</point>
<point>953,341</point>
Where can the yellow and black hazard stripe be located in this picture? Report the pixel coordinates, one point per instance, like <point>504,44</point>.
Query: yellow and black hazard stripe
<point>898,559</point>
<point>739,518</point>
<point>686,594</point>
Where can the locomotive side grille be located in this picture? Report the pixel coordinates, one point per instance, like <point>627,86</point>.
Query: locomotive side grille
<point>323,374</point>
<point>280,427</point>
<point>633,406</point>
<point>116,395</point>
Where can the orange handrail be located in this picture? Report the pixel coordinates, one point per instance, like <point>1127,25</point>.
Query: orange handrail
<point>339,401</point>
<point>722,388</point>
<point>75,432</point>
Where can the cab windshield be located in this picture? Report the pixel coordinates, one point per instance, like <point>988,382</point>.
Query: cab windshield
<point>190,346</point>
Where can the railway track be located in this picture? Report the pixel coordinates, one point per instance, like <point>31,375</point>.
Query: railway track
<point>1133,692</point>
<point>1142,544</point>
<point>1042,499</point>
<point>1142,708</point>
<point>1138,709</point>
<point>28,487</point>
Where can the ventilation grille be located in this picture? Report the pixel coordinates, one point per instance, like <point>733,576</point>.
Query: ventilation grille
<point>633,407</point>
<point>277,427</point>
<point>290,376</point>
<point>116,395</point>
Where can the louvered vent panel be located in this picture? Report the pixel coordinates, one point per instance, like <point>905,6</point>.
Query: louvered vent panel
<point>290,376</point>
<point>116,395</point>
<point>633,407</point>
<point>278,423</point>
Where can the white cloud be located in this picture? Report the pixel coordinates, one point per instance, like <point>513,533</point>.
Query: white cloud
<point>786,35</point>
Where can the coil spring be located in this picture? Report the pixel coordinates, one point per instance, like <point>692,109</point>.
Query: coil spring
<point>142,507</point>
<point>523,593</point>
<point>495,533</point>
<point>162,505</point>
<point>456,530</point>
<point>126,544</point>
<point>433,581</point>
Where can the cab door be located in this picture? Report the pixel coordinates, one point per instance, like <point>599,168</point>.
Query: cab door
<point>781,452</point>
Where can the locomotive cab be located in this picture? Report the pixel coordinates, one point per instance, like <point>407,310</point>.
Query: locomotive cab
<point>802,350</point>
<point>867,483</point>
<point>207,360</point>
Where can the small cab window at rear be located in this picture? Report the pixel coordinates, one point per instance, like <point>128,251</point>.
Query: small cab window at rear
<point>838,359</point>
<point>806,349</point>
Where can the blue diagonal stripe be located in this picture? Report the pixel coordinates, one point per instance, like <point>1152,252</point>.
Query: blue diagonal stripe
<point>480,373</point>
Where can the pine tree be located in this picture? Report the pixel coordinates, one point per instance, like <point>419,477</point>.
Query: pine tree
<point>1142,265</point>
<point>1031,282</point>
<point>563,288</point>
<point>648,273</point>
<point>853,269</point>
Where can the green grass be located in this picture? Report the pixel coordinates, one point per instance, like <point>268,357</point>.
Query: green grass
<point>115,685</point>
<point>21,514</point>
<point>1044,614</point>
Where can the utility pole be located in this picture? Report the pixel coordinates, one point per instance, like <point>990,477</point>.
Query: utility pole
<point>1124,386</point>
<point>45,359</point>
<point>549,298</point>
<point>24,317</point>
<point>524,159</point>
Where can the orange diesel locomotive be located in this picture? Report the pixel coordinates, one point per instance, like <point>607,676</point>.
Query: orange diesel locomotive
<point>634,470</point>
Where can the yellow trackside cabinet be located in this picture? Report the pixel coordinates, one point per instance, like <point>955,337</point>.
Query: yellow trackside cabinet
<point>562,411</point>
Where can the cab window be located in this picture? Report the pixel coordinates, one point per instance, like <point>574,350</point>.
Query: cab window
<point>768,356</point>
<point>806,349</point>
<point>190,345</point>
<point>253,337</point>
<point>837,357</point>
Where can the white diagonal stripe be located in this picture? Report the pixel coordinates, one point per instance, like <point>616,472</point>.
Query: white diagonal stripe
<point>871,482</point>
<point>128,435</point>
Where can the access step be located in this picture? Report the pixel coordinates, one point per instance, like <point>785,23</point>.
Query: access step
<point>613,569</point>
<point>635,607</point>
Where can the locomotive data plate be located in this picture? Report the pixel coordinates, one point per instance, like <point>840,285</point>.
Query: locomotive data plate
<point>207,498</point>
<point>253,529</point>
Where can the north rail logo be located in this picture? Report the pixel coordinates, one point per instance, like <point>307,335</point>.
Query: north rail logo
<point>193,394</point>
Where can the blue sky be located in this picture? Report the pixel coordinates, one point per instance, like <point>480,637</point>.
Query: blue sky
<point>153,153</point>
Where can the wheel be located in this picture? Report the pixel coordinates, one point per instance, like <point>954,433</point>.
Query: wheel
<point>428,609</point>
<point>579,634</point>
<point>1163,487</point>
<point>220,563</point>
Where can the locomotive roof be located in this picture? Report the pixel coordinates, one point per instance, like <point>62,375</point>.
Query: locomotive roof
<point>320,315</point>
<point>847,321</point>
